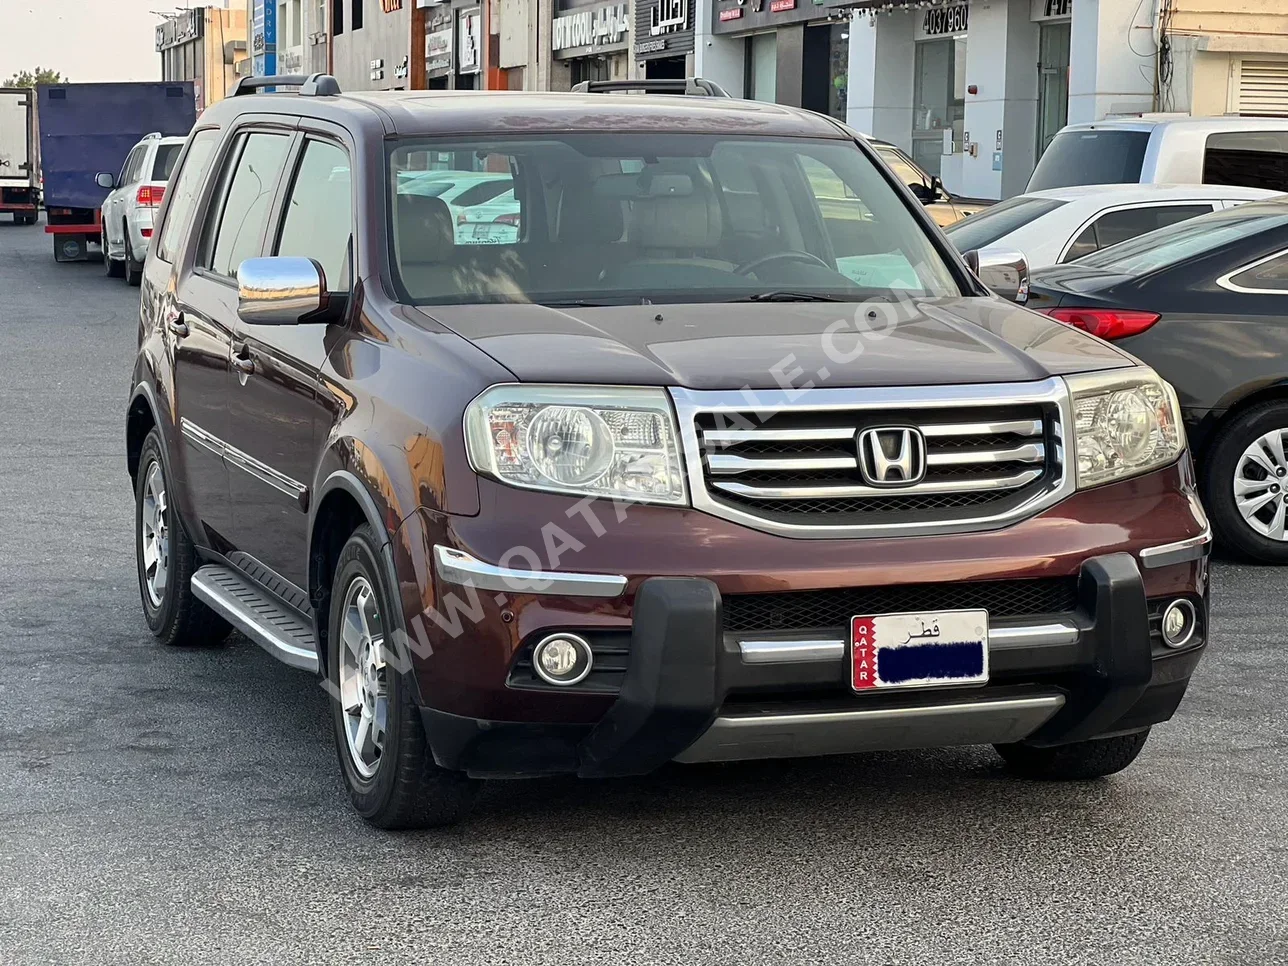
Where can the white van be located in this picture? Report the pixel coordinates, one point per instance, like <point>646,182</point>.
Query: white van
<point>1251,152</point>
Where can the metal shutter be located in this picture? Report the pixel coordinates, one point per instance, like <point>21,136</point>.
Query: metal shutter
<point>1263,87</point>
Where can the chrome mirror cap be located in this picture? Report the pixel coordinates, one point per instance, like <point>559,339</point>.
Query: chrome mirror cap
<point>280,291</point>
<point>1004,271</point>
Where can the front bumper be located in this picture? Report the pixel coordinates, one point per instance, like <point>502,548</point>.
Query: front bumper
<point>693,691</point>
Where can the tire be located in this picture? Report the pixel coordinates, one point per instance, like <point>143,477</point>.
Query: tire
<point>133,269</point>
<point>399,786</point>
<point>174,615</point>
<point>1226,460</point>
<point>1080,761</point>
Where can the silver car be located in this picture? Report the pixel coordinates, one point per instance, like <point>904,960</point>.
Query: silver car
<point>136,196</point>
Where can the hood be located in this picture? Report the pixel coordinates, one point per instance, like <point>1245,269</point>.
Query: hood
<point>773,345</point>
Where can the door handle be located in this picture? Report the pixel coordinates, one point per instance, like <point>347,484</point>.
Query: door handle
<point>243,362</point>
<point>175,323</point>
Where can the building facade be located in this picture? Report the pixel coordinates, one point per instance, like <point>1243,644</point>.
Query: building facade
<point>287,36</point>
<point>205,45</point>
<point>1218,61</point>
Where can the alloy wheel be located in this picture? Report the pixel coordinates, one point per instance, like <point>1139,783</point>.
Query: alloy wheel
<point>156,535</point>
<point>364,685</point>
<point>1261,485</point>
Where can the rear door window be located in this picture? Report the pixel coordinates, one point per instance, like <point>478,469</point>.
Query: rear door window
<point>987,227</point>
<point>1091,157</point>
<point>248,202</point>
<point>1251,159</point>
<point>483,192</point>
<point>1118,226</point>
<point>185,192</point>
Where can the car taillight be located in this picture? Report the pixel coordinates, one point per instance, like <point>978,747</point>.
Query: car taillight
<point>511,218</point>
<point>461,219</point>
<point>151,196</point>
<point>1107,323</point>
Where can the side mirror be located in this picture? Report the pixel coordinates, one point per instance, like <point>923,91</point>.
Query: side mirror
<point>927,196</point>
<point>937,187</point>
<point>1003,271</point>
<point>280,290</point>
<point>105,179</point>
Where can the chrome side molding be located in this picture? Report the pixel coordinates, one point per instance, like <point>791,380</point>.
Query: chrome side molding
<point>458,567</point>
<point>1181,551</point>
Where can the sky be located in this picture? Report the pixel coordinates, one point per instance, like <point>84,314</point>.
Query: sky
<point>88,40</point>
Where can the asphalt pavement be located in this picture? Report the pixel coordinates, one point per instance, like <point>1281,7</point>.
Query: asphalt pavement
<point>172,806</point>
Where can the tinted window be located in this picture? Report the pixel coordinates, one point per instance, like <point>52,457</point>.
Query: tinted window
<point>984,229</point>
<point>1091,157</point>
<point>1253,159</point>
<point>902,167</point>
<point>622,218</point>
<point>247,203</point>
<point>1189,239</point>
<point>1118,226</point>
<point>131,165</point>
<point>185,192</point>
<point>163,164</point>
<point>1269,276</point>
<point>319,214</point>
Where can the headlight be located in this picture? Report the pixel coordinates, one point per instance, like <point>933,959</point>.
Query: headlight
<point>619,443</point>
<point>1126,422</point>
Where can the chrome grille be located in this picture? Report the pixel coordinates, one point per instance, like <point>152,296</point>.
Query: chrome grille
<point>993,455</point>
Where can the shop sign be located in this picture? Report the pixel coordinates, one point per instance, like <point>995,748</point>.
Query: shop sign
<point>733,13</point>
<point>438,51</point>
<point>781,6</point>
<point>263,37</point>
<point>469,25</point>
<point>1052,9</point>
<point>663,27</point>
<point>668,16</point>
<point>939,21</point>
<point>596,28</point>
<point>391,6</point>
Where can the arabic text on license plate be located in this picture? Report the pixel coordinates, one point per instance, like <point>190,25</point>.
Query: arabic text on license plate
<point>930,649</point>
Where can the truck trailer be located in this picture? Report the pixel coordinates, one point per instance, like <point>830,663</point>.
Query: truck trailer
<point>19,171</point>
<point>88,129</point>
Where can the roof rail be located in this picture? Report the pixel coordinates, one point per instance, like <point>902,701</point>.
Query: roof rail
<point>310,85</point>
<point>692,86</point>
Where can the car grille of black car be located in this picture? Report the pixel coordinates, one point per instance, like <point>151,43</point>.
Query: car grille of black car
<point>810,609</point>
<point>801,467</point>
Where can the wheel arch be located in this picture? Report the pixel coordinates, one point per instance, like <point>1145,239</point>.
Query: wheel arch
<point>1235,405</point>
<point>342,504</point>
<point>140,419</point>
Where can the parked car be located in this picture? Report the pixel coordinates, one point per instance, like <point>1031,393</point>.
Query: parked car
<point>930,191</point>
<point>494,222</point>
<point>624,493</point>
<point>131,206</point>
<point>1066,224</point>
<point>1168,149</point>
<point>1203,302</point>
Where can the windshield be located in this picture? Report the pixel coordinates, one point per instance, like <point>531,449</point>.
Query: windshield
<point>984,229</point>
<point>1091,157</point>
<point>622,218</point>
<point>1184,240</point>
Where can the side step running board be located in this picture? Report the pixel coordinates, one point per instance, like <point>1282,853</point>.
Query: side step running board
<point>272,625</point>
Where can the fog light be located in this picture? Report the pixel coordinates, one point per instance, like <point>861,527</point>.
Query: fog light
<point>1179,622</point>
<point>562,659</point>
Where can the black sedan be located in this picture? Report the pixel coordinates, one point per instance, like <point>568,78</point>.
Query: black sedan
<point>1205,302</point>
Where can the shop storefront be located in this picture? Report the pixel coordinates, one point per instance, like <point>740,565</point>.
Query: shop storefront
<point>939,84</point>
<point>664,37</point>
<point>469,48</point>
<point>439,47</point>
<point>795,51</point>
<point>592,39</point>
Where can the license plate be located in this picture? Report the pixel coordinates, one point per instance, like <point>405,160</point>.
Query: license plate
<point>925,650</point>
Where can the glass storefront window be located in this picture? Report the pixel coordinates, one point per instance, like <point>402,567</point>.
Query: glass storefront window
<point>762,77</point>
<point>939,93</point>
<point>839,73</point>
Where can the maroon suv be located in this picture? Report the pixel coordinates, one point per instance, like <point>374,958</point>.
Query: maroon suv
<point>693,442</point>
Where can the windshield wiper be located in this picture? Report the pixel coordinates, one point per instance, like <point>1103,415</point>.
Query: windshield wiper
<point>785,296</point>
